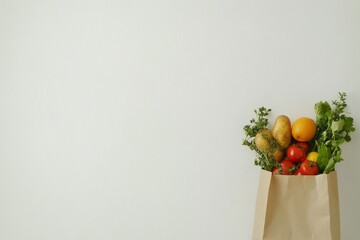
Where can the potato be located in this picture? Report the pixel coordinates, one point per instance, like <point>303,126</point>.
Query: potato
<point>278,155</point>
<point>263,144</point>
<point>281,131</point>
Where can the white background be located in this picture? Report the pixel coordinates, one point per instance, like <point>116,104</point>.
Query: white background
<point>123,119</point>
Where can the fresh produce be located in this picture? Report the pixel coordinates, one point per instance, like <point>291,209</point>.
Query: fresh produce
<point>334,127</point>
<point>308,167</point>
<point>307,147</point>
<point>303,145</point>
<point>297,172</point>
<point>285,167</point>
<point>296,154</point>
<point>265,142</point>
<point>312,156</point>
<point>282,131</point>
<point>303,129</point>
<point>257,124</point>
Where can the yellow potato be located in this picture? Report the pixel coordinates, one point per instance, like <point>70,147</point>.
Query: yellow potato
<point>281,131</point>
<point>278,155</point>
<point>260,139</point>
<point>262,142</point>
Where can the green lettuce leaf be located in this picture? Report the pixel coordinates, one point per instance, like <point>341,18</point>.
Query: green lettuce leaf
<point>323,157</point>
<point>322,111</point>
<point>338,125</point>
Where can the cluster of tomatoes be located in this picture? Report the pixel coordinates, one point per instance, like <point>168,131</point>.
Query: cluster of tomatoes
<point>298,161</point>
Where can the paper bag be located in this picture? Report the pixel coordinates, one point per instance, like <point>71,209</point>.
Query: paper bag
<point>297,207</point>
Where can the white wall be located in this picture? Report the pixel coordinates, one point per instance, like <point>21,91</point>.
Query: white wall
<point>123,119</point>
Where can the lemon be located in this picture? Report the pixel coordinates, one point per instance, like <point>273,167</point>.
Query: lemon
<point>312,156</point>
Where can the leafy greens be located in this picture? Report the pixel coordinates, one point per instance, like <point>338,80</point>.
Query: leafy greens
<point>257,124</point>
<point>333,129</point>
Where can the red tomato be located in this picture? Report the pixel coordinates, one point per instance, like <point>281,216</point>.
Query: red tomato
<point>303,145</point>
<point>297,172</point>
<point>308,167</point>
<point>295,154</point>
<point>286,168</point>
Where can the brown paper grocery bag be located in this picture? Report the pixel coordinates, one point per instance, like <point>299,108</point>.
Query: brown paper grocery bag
<point>297,207</point>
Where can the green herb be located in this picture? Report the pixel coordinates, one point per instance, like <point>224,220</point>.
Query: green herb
<point>256,125</point>
<point>333,129</point>
<point>259,123</point>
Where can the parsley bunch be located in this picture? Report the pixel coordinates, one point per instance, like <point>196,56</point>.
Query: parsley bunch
<point>333,129</point>
<point>257,124</point>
